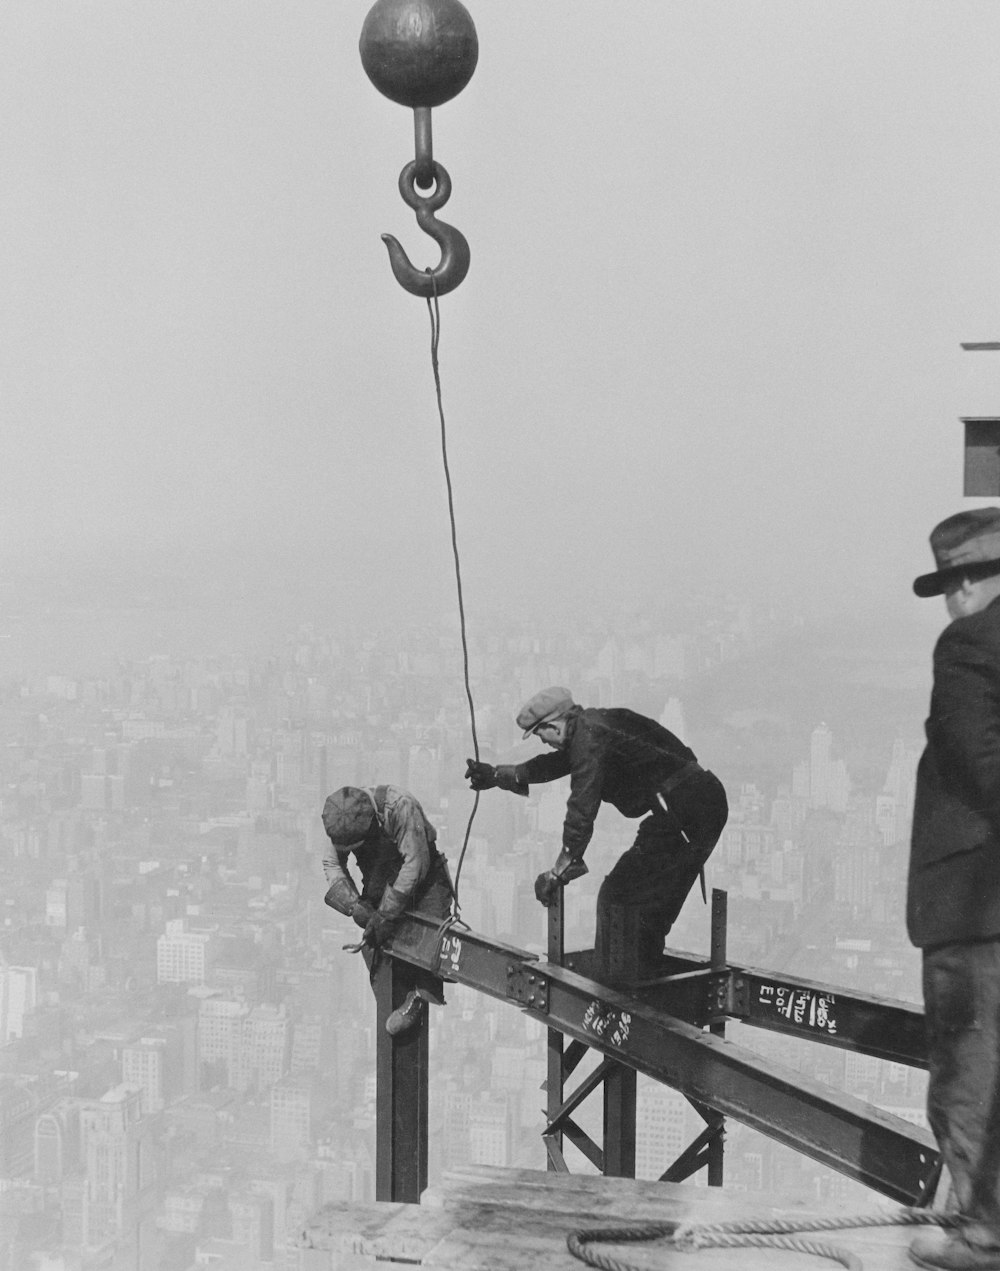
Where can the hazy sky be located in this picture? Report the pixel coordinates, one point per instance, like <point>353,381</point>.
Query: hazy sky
<point>723,256</point>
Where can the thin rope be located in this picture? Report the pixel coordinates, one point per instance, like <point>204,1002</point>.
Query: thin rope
<point>435,317</point>
<point>764,1233</point>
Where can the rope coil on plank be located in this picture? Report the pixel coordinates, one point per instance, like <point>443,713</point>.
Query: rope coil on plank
<point>762,1233</point>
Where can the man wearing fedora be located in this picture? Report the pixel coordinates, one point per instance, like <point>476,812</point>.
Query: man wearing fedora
<point>393,845</point>
<point>619,757</point>
<point>953,895</point>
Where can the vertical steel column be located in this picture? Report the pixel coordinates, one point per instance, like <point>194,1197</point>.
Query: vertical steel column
<point>719,955</point>
<point>554,1053</point>
<point>401,1067</point>
<point>619,1084</point>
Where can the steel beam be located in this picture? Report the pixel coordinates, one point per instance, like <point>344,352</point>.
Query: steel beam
<point>620,1080</point>
<point>881,1027</point>
<point>715,1143</point>
<point>861,1141</point>
<point>555,1070</point>
<point>401,1065</point>
<point>692,989</point>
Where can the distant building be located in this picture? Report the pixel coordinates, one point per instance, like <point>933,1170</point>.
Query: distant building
<point>265,1048</point>
<point>57,1142</point>
<point>662,1127</point>
<point>252,1221</point>
<point>143,1065</point>
<point>18,999</point>
<point>291,1113</point>
<point>490,1132</point>
<point>117,1151</point>
<point>220,1034</point>
<point>182,956</point>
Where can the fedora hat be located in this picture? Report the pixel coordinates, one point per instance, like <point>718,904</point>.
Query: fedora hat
<point>961,544</point>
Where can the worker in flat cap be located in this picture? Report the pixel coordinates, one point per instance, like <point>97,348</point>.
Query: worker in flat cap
<point>394,847</point>
<point>619,757</point>
<point>953,891</point>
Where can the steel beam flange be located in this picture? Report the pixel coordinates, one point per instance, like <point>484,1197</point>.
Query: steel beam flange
<point>527,986</point>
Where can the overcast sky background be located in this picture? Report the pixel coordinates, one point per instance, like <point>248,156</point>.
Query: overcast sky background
<point>723,256</point>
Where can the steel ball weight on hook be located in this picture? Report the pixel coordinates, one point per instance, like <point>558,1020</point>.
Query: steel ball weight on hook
<point>419,52</point>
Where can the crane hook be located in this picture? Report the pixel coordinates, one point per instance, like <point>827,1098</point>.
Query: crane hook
<point>455,254</point>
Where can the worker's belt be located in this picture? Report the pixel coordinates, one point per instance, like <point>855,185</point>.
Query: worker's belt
<point>679,777</point>
<point>661,802</point>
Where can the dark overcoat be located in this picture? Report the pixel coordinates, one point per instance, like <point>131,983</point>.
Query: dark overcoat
<point>953,892</point>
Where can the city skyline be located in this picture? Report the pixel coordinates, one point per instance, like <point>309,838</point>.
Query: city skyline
<point>172,980</point>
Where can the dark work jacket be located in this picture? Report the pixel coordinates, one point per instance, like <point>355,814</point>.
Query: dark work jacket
<point>612,756</point>
<point>396,856</point>
<point>953,892</point>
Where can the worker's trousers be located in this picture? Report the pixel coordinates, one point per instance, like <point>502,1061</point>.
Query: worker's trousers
<point>962,1009</point>
<point>653,878</point>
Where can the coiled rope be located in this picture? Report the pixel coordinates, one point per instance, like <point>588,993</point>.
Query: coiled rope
<point>766,1233</point>
<point>434,311</point>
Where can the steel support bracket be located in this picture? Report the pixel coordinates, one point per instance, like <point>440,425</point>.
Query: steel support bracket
<point>727,993</point>
<point>527,986</point>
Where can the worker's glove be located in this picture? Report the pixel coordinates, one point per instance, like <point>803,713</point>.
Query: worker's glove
<point>342,895</point>
<point>507,779</point>
<point>362,913</point>
<point>379,930</point>
<point>481,776</point>
<point>547,887</point>
<point>568,867</point>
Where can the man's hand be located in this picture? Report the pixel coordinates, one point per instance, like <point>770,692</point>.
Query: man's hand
<point>547,888</point>
<point>378,930</point>
<point>362,913</point>
<point>481,776</point>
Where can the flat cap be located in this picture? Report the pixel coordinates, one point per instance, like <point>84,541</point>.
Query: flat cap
<point>348,814</point>
<point>545,706</point>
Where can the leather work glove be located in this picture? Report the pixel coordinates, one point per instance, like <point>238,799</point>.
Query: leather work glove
<point>362,913</point>
<point>481,776</point>
<point>547,888</point>
<point>378,930</point>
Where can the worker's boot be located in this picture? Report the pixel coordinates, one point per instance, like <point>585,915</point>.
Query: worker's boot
<point>404,1017</point>
<point>948,1250</point>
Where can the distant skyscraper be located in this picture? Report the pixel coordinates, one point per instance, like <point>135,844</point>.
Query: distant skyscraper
<point>490,1132</point>
<point>182,956</point>
<point>673,717</point>
<point>829,785</point>
<point>18,1109</point>
<point>425,774</point>
<point>265,1048</point>
<point>117,1154</point>
<point>143,1065</point>
<point>57,1142</point>
<point>18,998</point>
<point>291,1109</point>
<point>220,1035</point>
<point>662,1127</point>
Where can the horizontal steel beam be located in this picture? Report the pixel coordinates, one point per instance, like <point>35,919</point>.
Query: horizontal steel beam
<point>884,1028</point>
<point>876,1148</point>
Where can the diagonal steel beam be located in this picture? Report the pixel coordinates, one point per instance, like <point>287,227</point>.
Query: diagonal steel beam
<point>859,1140</point>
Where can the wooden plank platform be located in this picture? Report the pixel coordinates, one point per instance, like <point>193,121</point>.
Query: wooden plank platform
<point>489,1219</point>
